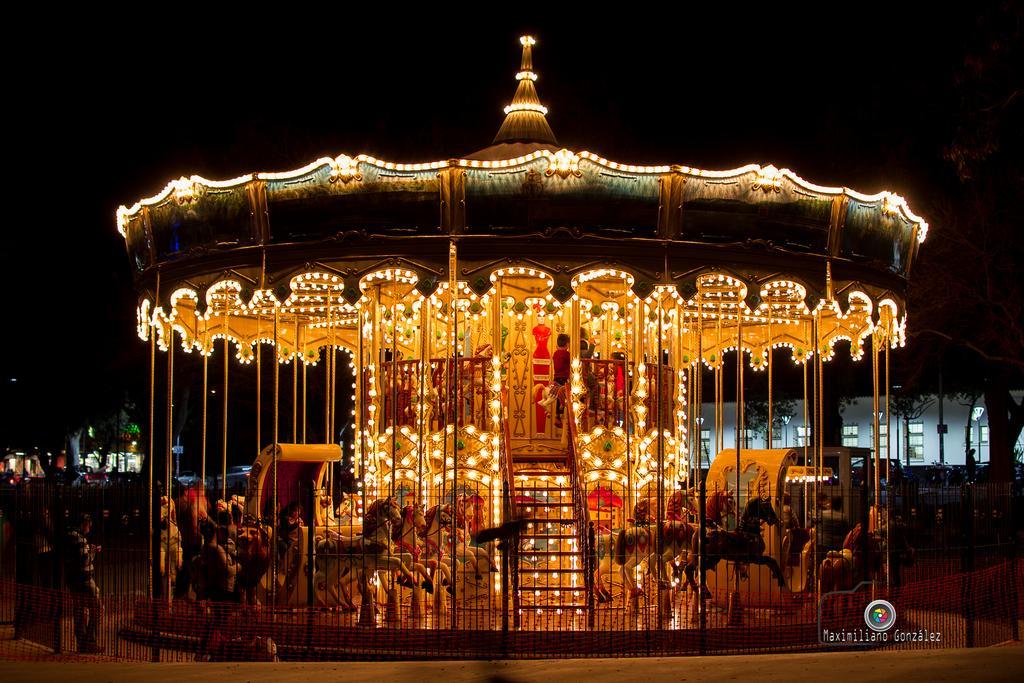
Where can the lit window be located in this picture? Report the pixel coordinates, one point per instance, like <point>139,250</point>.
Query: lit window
<point>851,435</point>
<point>983,437</point>
<point>802,434</point>
<point>915,440</point>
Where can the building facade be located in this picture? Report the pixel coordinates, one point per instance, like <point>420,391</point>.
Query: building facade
<point>915,437</point>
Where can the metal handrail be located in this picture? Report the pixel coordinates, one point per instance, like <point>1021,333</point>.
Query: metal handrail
<point>505,462</point>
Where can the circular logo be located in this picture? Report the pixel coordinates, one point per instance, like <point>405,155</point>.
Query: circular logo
<point>880,616</point>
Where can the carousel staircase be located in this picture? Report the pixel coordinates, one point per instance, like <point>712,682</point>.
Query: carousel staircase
<point>551,581</point>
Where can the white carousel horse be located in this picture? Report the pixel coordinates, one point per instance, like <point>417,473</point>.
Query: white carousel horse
<point>344,560</point>
<point>545,396</point>
<point>436,523</point>
<point>404,536</point>
<point>637,545</point>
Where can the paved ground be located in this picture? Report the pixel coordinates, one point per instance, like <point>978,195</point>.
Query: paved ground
<point>936,666</point>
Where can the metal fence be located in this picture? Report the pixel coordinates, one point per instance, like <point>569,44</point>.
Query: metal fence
<point>440,573</point>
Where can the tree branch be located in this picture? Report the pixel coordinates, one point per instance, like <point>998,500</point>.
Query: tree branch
<point>1016,362</point>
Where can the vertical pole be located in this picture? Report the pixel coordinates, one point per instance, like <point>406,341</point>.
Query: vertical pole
<point>206,392</point>
<point>295,385</point>
<point>305,389</point>
<point>170,446</point>
<point>328,362</point>
<point>277,376</point>
<point>811,430</point>
<point>394,385</point>
<point>819,427</point>
<point>152,402</point>
<point>361,404</point>
<point>888,470</point>
<point>701,479</point>
<point>698,393</point>
<point>719,399</point>
<point>735,598</point>
<point>259,382</point>
<point>422,429</point>
<point>942,423</point>
<point>630,356</point>
<point>333,423</point>
<point>702,539</point>
<point>771,406</point>
<point>877,425</point>
<point>310,541</point>
<point>813,505</point>
<point>661,453</point>
<point>739,404</point>
<point>276,423</point>
<point>453,291</point>
<point>224,416</point>
<point>333,398</point>
<point>968,563</point>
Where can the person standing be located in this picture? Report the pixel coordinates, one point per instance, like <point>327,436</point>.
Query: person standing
<point>81,582</point>
<point>561,364</point>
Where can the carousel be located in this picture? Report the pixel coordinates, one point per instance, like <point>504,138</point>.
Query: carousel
<point>525,338</point>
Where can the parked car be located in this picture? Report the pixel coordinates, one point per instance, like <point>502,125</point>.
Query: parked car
<point>237,480</point>
<point>187,479</point>
<point>94,477</point>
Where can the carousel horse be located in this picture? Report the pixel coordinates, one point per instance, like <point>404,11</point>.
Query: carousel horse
<point>545,396</point>
<point>744,546</point>
<point>405,537</point>
<point>718,507</point>
<point>254,549</point>
<point>437,523</point>
<point>234,505</point>
<point>797,541</point>
<point>864,558</point>
<point>344,560</point>
<point>639,543</point>
<point>171,553</point>
<point>477,558</point>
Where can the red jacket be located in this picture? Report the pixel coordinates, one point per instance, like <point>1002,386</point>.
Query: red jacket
<point>560,364</point>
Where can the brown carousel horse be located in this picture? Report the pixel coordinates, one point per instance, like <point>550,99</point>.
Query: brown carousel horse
<point>864,558</point>
<point>744,546</point>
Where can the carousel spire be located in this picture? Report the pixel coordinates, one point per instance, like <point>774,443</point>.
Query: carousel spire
<point>525,117</point>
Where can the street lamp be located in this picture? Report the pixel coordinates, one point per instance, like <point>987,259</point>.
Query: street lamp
<point>785,430</point>
<point>976,414</point>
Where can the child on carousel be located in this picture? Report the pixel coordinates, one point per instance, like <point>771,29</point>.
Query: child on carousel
<point>560,365</point>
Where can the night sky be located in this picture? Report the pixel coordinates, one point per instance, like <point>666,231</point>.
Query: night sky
<point>105,116</point>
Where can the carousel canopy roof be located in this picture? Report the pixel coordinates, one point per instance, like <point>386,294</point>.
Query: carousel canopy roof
<point>245,244</point>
